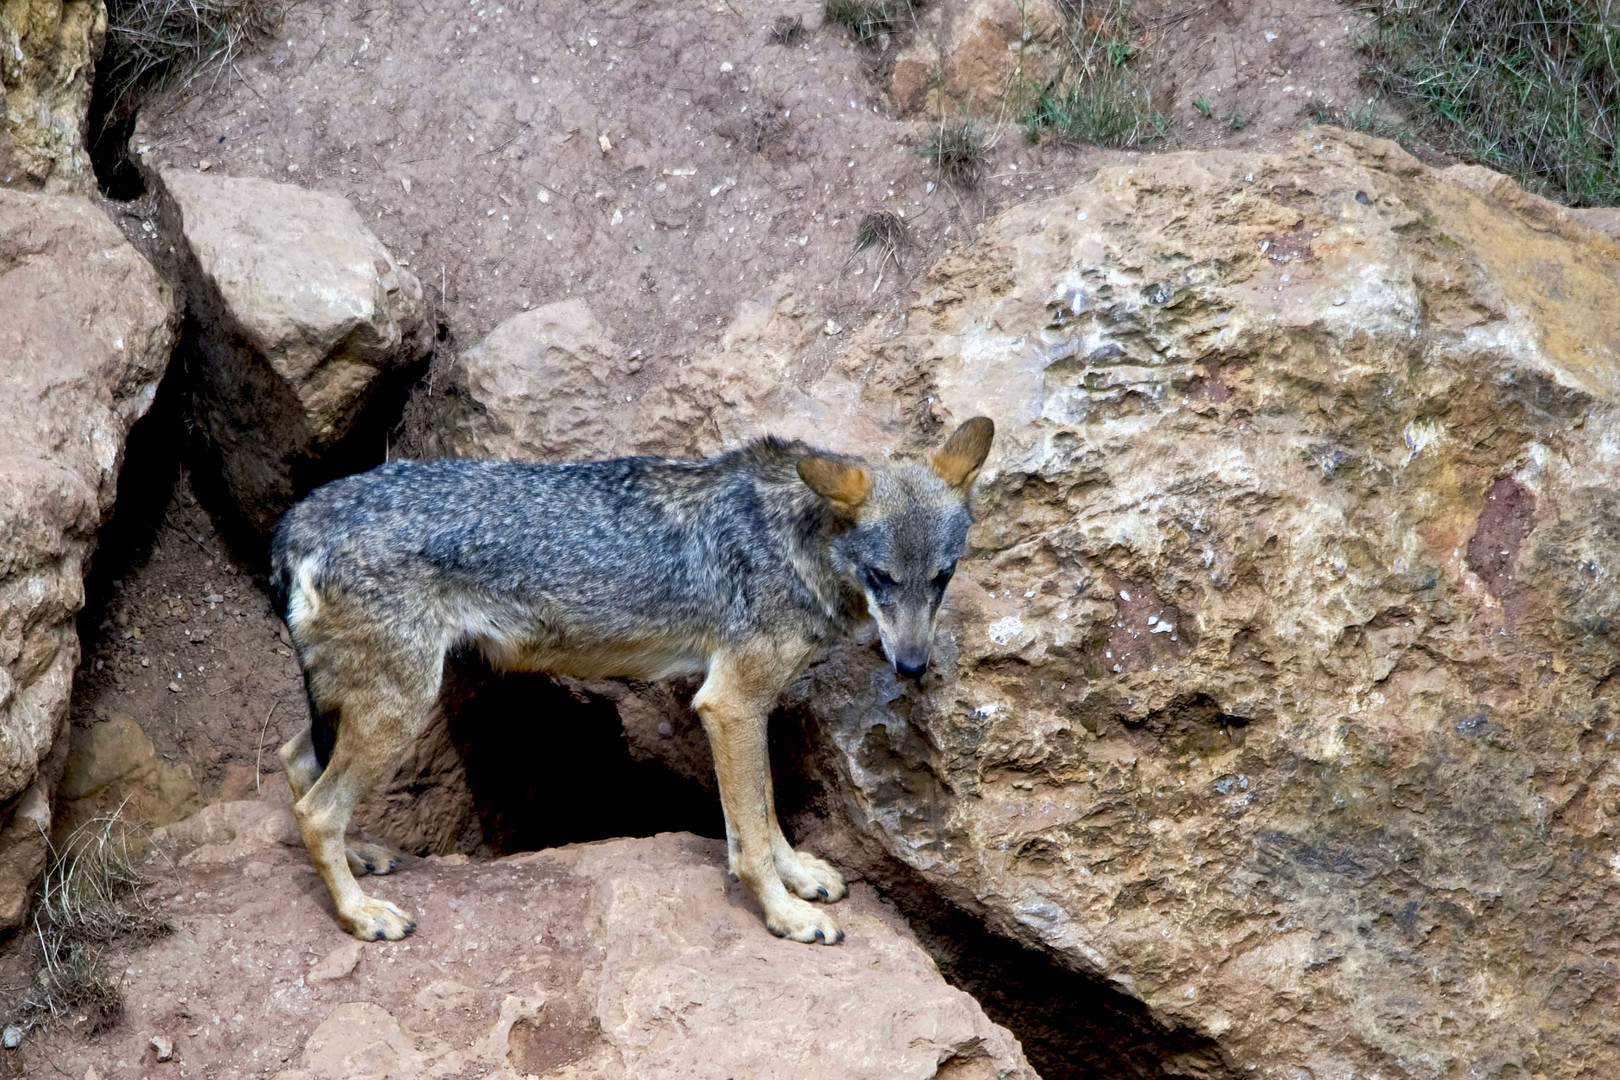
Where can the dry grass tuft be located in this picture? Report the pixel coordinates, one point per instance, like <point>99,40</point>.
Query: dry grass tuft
<point>786,30</point>
<point>93,895</point>
<point>956,149</point>
<point>871,21</point>
<point>159,44</point>
<point>886,233</point>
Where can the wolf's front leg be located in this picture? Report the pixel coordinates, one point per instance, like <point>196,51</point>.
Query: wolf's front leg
<point>804,875</point>
<point>733,704</point>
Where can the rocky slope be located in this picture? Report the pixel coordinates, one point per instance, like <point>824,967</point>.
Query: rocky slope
<point>1273,692</point>
<point>1275,689</point>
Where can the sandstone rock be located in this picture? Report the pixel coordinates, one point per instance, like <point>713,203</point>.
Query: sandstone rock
<point>561,356</point>
<point>558,351</point>
<point>302,315</point>
<point>984,55</point>
<point>1275,688</point>
<point>113,764</point>
<point>24,850</point>
<point>48,52</point>
<point>624,958</point>
<point>85,330</point>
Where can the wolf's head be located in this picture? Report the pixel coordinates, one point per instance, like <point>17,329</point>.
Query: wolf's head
<point>906,525</point>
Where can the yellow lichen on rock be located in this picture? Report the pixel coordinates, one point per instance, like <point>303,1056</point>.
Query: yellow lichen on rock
<point>48,52</point>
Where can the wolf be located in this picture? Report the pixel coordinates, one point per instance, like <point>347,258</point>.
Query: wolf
<point>739,568</point>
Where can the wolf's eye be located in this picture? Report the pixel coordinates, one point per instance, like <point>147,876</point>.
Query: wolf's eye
<point>943,578</point>
<point>876,580</point>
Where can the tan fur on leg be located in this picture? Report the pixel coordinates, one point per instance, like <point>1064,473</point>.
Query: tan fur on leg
<point>734,703</point>
<point>323,815</point>
<point>381,685</point>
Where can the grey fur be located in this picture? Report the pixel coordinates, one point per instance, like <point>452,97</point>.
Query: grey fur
<point>735,567</point>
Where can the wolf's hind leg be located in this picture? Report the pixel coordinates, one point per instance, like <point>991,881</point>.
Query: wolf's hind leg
<point>297,757</point>
<point>733,703</point>
<point>366,745</point>
<point>298,761</point>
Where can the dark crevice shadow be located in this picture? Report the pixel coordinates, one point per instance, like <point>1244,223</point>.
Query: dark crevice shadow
<point>146,481</point>
<point>547,766</point>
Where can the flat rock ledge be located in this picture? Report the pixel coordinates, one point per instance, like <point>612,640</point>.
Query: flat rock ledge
<point>622,958</point>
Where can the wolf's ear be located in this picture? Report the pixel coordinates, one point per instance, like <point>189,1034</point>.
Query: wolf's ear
<point>846,485</point>
<point>958,461</point>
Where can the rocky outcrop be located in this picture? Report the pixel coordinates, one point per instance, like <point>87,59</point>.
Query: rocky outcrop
<point>623,958</point>
<point>85,331</point>
<point>112,767</point>
<point>48,52</point>
<point>302,316</point>
<point>559,352</point>
<point>1275,689</point>
<point>980,57</point>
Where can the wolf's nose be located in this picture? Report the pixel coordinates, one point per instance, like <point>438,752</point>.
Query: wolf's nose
<point>911,670</point>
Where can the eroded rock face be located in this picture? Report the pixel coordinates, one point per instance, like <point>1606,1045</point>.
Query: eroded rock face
<point>85,331</point>
<point>972,58</point>
<point>302,314</point>
<point>48,51</point>
<point>624,958</point>
<point>1275,688</point>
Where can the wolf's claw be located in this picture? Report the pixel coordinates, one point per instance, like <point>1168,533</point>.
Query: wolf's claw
<point>811,878</point>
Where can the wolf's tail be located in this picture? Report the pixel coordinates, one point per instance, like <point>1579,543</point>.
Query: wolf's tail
<point>297,597</point>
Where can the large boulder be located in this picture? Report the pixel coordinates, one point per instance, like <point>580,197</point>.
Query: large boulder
<point>48,53</point>
<point>302,316</point>
<point>1275,687</point>
<point>85,331</point>
<point>622,958</point>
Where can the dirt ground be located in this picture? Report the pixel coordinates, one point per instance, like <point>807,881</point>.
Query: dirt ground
<point>189,646</point>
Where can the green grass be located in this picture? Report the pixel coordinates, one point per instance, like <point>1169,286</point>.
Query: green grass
<point>1530,87</point>
<point>1102,99</point>
<point>1106,109</point>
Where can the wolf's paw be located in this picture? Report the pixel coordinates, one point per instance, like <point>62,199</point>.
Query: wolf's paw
<point>812,878</point>
<point>377,920</point>
<point>369,859</point>
<point>800,921</point>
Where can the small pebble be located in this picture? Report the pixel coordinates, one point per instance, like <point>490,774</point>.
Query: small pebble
<point>163,1048</point>
<point>11,1037</point>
